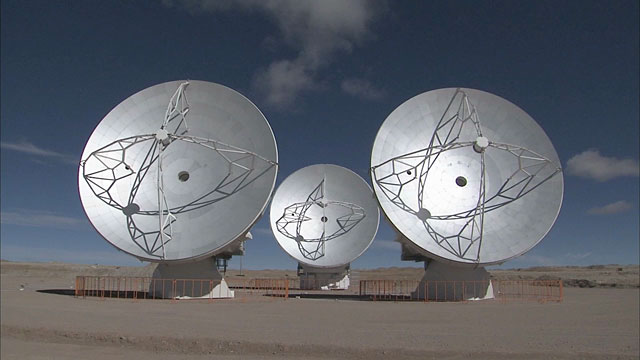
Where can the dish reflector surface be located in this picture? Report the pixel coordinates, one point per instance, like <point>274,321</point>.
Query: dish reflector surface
<point>324,215</point>
<point>178,171</point>
<point>466,176</point>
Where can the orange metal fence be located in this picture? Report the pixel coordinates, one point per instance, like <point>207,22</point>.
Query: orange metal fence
<point>262,284</point>
<point>395,290</point>
<point>502,290</point>
<point>293,283</point>
<point>528,290</point>
<point>111,286</point>
<point>411,290</point>
<point>152,288</point>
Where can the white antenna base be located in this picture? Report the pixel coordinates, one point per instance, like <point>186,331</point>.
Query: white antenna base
<point>199,279</point>
<point>444,282</point>
<point>312,278</point>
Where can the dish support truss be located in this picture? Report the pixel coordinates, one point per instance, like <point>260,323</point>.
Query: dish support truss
<point>107,166</point>
<point>295,215</point>
<point>393,176</point>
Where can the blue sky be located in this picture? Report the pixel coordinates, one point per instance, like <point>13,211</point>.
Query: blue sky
<point>326,75</point>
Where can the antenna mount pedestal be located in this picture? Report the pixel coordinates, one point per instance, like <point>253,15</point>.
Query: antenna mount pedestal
<point>313,278</point>
<point>198,279</point>
<point>442,281</point>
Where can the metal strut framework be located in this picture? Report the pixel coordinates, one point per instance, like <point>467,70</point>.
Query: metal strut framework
<point>295,215</point>
<point>457,125</point>
<point>107,166</point>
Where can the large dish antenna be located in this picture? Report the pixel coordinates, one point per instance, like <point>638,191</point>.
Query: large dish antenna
<point>324,216</point>
<point>466,176</point>
<point>178,171</point>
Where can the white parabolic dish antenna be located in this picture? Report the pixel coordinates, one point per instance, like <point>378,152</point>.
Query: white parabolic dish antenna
<point>324,216</point>
<point>178,171</point>
<point>466,176</point>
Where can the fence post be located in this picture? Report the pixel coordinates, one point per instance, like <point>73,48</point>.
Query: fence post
<point>134,288</point>
<point>561,290</point>
<point>426,291</point>
<point>286,290</point>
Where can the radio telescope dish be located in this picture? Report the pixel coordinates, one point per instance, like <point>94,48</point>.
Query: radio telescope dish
<point>324,216</point>
<point>178,171</point>
<point>466,176</point>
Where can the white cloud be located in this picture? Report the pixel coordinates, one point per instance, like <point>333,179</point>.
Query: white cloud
<point>386,244</point>
<point>316,30</point>
<point>534,260</point>
<point>67,255</point>
<point>613,208</point>
<point>361,88</point>
<point>578,256</point>
<point>31,149</point>
<point>261,231</point>
<point>37,218</point>
<point>530,260</point>
<point>282,81</point>
<point>590,164</point>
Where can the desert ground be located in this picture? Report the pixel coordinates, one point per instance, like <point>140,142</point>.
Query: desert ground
<point>598,319</point>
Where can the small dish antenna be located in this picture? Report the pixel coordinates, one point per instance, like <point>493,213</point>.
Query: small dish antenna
<point>465,177</point>
<point>324,216</point>
<point>179,172</point>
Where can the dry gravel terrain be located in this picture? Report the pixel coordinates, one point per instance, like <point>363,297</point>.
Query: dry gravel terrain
<point>599,320</point>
